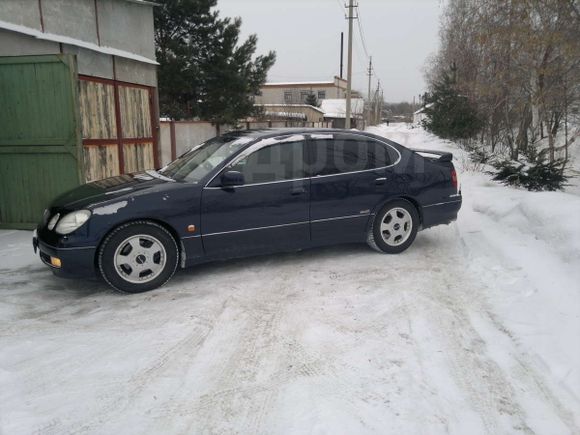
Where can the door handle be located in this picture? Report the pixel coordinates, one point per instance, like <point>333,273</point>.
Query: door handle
<point>297,190</point>
<point>380,180</point>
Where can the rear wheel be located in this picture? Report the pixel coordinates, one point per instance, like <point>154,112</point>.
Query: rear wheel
<point>394,228</point>
<point>138,256</point>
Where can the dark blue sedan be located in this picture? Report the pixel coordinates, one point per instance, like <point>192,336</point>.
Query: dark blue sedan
<point>248,193</point>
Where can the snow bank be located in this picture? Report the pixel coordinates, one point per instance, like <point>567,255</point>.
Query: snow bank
<point>553,217</point>
<point>526,247</point>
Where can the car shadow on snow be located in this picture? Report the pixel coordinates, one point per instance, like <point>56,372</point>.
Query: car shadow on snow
<point>305,257</point>
<point>37,278</point>
<point>43,283</point>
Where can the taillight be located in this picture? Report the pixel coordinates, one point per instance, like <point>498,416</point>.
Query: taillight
<point>454,178</point>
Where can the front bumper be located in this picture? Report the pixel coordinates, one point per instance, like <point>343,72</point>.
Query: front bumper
<point>76,262</point>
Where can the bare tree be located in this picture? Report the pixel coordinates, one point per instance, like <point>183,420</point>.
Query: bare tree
<point>519,62</point>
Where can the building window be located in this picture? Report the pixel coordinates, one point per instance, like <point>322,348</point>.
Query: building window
<point>321,95</point>
<point>303,96</point>
<point>288,97</point>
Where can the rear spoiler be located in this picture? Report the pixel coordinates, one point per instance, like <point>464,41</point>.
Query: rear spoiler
<point>442,156</point>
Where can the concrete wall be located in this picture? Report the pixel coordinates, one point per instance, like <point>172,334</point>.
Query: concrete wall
<point>124,25</point>
<point>89,62</point>
<point>275,94</point>
<point>164,143</point>
<point>127,26</point>
<point>21,12</point>
<point>189,134</point>
<point>73,18</point>
<point>16,44</point>
<point>136,72</point>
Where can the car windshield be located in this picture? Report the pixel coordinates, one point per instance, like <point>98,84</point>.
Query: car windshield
<point>201,160</point>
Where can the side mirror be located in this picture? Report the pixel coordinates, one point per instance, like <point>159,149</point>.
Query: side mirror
<point>232,178</point>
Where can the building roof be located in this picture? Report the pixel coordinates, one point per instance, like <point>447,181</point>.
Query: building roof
<point>306,83</point>
<point>422,109</point>
<point>143,2</point>
<point>290,115</point>
<point>336,107</point>
<point>75,42</point>
<point>282,105</point>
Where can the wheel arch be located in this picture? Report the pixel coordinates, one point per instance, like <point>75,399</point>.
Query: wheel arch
<point>407,198</point>
<point>159,222</point>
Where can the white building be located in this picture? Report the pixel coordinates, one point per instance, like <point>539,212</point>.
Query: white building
<point>419,116</point>
<point>335,110</point>
<point>297,92</point>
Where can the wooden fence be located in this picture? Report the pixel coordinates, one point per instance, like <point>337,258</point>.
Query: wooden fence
<point>118,132</point>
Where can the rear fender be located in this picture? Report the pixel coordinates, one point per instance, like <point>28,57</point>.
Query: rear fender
<point>412,201</point>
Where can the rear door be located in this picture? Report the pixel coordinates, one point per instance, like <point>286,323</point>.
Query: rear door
<point>269,212</point>
<point>350,177</point>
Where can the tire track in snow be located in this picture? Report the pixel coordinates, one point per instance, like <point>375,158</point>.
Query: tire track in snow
<point>186,348</point>
<point>258,338</point>
<point>526,369</point>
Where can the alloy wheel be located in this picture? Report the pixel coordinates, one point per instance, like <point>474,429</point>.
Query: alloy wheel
<point>396,226</point>
<point>140,258</point>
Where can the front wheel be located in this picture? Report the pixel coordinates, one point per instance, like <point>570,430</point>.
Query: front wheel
<point>138,257</point>
<point>394,228</point>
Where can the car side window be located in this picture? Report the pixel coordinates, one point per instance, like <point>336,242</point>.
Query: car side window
<point>347,153</point>
<point>278,162</point>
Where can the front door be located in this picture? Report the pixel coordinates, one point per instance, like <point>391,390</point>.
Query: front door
<point>269,212</point>
<point>350,177</point>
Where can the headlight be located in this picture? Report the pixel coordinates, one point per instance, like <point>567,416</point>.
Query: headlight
<point>72,221</point>
<point>53,221</point>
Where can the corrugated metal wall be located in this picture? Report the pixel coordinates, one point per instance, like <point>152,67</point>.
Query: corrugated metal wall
<point>39,135</point>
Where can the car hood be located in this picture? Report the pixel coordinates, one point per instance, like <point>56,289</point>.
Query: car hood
<point>103,191</point>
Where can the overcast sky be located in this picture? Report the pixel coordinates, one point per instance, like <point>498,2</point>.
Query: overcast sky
<point>305,34</point>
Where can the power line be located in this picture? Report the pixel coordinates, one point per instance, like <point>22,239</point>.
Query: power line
<point>361,33</point>
<point>341,6</point>
<point>362,38</point>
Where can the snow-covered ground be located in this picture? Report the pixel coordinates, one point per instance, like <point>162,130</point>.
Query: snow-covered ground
<point>475,329</point>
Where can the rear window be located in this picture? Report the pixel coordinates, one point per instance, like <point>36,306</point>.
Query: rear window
<point>347,153</point>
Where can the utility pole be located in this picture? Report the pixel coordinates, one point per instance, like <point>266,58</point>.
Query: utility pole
<point>377,101</point>
<point>349,65</point>
<point>381,106</point>
<point>369,103</point>
<point>341,51</point>
<point>370,74</point>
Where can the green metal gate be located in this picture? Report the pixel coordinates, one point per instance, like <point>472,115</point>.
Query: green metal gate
<point>40,141</point>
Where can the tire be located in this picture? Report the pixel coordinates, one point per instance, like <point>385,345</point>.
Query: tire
<point>394,227</point>
<point>137,257</point>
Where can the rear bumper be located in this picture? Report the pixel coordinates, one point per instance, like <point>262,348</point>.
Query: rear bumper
<point>441,213</point>
<point>76,262</point>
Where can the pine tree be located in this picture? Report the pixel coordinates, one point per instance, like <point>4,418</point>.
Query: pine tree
<point>312,100</point>
<point>203,71</point>
<point>449,114</point>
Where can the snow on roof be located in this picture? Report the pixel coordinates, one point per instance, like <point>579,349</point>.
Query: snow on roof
<point>76,42</point>
<point>290,105</point>
<point>143,2</point>
<point>422,109</point>
<point>336,107</point>
<point>297,115</point>
<point>324,82</point>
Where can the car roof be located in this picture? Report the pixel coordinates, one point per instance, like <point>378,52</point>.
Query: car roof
<point>263,133</point>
